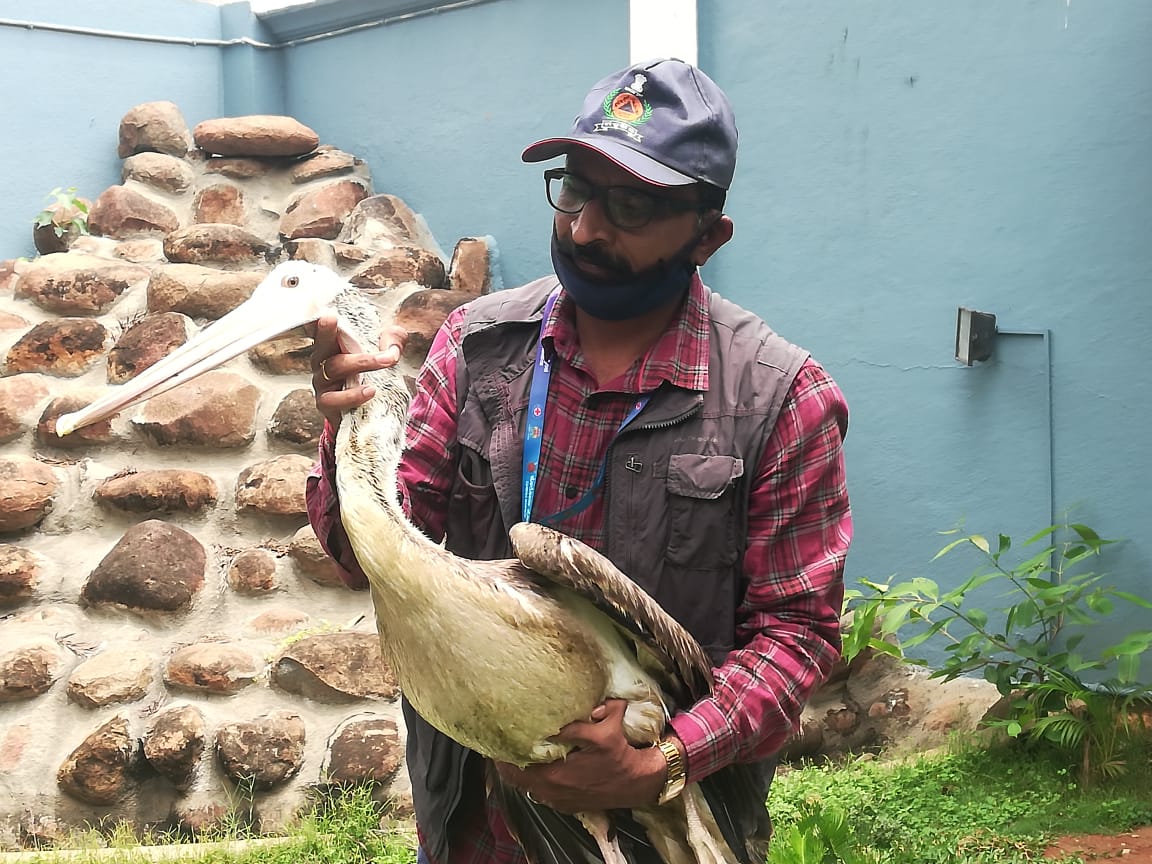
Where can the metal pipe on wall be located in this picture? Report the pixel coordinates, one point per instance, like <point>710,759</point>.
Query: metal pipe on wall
<point>227,43</point>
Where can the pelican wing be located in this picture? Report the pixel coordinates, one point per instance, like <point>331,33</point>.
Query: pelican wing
<point>566,562</point>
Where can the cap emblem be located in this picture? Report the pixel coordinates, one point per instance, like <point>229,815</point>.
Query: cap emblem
<point>625,108</point>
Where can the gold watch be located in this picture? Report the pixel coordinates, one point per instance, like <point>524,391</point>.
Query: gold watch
<point>674,781</point>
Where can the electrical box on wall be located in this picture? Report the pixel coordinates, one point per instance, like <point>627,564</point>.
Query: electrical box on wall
<point>975,335</point>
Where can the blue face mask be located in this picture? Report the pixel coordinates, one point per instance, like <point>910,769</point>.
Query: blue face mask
<point>627,296</point>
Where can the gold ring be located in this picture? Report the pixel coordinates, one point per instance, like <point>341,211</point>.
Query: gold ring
<point>324,371</point>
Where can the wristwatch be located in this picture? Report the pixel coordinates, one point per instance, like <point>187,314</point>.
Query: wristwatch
<point>674,781</point>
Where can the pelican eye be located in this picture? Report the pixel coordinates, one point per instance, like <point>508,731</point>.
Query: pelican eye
<point>290,281</point>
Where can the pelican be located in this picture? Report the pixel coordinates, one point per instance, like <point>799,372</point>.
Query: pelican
<point>540,640</point>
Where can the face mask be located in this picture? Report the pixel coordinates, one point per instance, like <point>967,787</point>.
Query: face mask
<point>627,296</point>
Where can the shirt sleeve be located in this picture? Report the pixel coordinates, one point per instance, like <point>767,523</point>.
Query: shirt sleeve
<point>788,623</point>
<point>425,474</point>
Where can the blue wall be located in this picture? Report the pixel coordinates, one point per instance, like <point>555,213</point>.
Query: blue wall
<point>442,106</point>
<point>898,159</point>
<point>62,95</point>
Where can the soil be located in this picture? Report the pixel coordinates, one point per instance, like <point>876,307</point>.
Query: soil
<point>1133,848</point>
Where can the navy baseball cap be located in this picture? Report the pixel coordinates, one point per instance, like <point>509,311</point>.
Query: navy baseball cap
<point>663,120</point>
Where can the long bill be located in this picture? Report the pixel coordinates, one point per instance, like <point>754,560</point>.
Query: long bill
<point>265,315</point>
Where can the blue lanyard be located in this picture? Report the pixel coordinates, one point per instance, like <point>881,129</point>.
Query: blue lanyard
<point>534,433</point>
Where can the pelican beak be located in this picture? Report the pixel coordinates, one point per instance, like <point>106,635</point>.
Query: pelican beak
<point>278,304</point>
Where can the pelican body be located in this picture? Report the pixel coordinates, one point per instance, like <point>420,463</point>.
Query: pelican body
<point>497,655</point>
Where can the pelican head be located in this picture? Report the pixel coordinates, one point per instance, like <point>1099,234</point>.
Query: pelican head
<point>294,293</point>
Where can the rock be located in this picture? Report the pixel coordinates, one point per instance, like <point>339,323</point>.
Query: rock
<point>274,487</point>
<point>149,250</point>
<point>150,339</point>
<point>471,269</point>
<point>124,214</point>
<point>237,169</point>
<point>255,135</point>
<point>385,222</point>
<point>19,574</point>
<point>153,567</point>
<point>164,491</point>
<point>313,250</point>
<point>8,276</point>
<point>805,743</point>
<point>29,668</point>
<point>348,255</point>
<point>364,750</point>
<point>312,560</point>
<point>285,355</point>
<point>324,163</point>
<point>197,815</point>
<point>321,212</point>
<point>175,742</point>
<point>65,347</point>
<point>335,667</point>
<point>263,752</point>
<point>20,396</point>
<point>218,409</point>
<point>154,126</point>
<point>421,315</point>
<point>10,321</point>
<point>73,284</point>
<point>166,173</point>
<point>842,721</point>
<point>253,571</point>
<point>26,490</point>
<point>199,292</point>
<point>223,203</point>
<point>212,667</point>
<point>399,266</point>
<point>228,246</point>
<point>89,436</point>
<point>296,420</point>
<point>111,676</point>
<point>15,741</point>
<point>279,620</point>
<point>97,772</point>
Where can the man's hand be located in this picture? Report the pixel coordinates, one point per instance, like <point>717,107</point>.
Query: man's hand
<point>603,771</point>
<point>332,370</point>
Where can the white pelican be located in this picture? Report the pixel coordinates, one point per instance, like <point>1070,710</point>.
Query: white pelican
<point>498,655</point>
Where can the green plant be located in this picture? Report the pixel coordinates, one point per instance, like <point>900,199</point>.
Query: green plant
<point>822,835</point>
<point>65,211</point>
<point>1022,646</point>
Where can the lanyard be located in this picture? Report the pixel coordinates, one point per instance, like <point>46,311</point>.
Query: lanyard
<point>534,433</point>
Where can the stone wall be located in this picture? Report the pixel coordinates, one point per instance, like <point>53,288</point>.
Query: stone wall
<point>174,648</point>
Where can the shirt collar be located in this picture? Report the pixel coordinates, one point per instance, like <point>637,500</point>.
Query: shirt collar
<point>679,357</point>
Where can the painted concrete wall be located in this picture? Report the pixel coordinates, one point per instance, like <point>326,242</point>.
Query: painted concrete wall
<point>62,95</point>
<point>442,106</point>
<point>897,160</point>
<point>901,159</point>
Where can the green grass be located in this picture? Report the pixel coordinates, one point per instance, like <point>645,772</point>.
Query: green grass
<point>965,806</point>
<point>961,807</point>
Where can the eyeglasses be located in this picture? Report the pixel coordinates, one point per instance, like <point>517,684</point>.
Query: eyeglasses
<point>625,206</point>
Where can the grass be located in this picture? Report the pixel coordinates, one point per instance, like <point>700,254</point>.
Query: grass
<point>968,805</point>
<point>964,806</point>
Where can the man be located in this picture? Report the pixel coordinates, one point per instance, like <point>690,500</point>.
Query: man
<point>625,404</point>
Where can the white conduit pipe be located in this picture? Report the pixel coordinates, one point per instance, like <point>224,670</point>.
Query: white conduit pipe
<point>226,43</point>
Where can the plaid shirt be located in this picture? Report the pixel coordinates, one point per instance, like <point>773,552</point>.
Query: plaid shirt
<point>799,527</point>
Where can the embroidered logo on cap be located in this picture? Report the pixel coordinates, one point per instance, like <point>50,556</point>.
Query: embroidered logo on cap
<point>625,108</point>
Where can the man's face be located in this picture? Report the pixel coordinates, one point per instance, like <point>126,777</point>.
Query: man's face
<point>603,250</point>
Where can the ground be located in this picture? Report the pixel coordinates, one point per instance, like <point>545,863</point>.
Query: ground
<point>1132,848</point>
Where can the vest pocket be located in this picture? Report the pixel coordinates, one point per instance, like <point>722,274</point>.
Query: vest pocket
<point>473,509</point>
<point>702,510</point>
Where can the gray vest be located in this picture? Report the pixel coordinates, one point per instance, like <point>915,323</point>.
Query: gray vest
<point>676,487</point>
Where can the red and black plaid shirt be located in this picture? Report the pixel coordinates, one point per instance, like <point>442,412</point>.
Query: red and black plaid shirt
<point>799,527</point>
